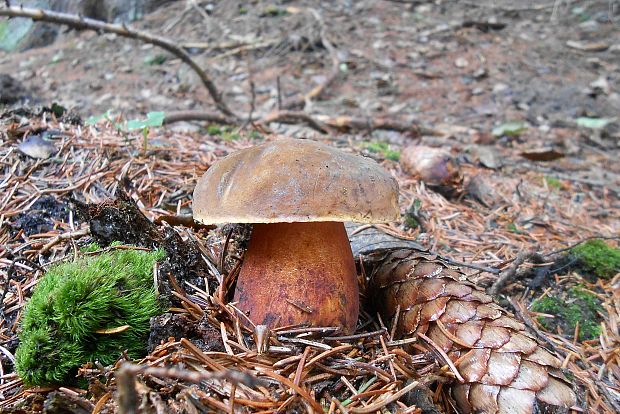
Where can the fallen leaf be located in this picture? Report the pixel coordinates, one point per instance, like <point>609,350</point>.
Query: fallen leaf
<point>542,154</point>
<point>487,156</point>
<point>36,147</point>
<point>588,47</point>
<point>111,331</point>
<point>593,123</point>
<point>509,129</point>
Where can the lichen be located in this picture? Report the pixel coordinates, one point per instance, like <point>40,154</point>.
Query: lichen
<point>76,311</point>
<point>598,257</point>
<point>577,305</point>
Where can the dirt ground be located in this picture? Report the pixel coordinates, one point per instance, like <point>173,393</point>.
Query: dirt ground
<point>468,71</point>
<point>460,68</point>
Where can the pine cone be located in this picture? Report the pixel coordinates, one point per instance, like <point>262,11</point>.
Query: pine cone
<point>505,370</point>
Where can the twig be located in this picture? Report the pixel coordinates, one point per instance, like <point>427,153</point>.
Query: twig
<point>564,249</point>
<point>382,403</point>
<point>127,395</point>
<point>522,314</point>
<point>124,30</point>
<point>537,7</point>
<point>287,117</point>
<point>510,273</point>
<point>252,95</point>
<point>279,89</point>
<point>318,90</point>
<point>186,116</point>
<point>355,337</point>
<point>9,275</point>
<point>236,377</point>
<point>346,123</point>
<point>474,266</point>
<point>64,236</point>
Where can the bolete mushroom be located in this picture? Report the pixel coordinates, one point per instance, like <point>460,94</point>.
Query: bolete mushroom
<point>298,267</point>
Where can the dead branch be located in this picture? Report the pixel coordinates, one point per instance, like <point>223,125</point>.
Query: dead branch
<point>236,377</point>
<point>294,117</point>
<point>320,123</point>
<point>76,234</point>
<point>124,30</point>
<point>494,6</point>
<point>198,115</point>
<point>347,123</point>
<point>510,273</point>
<point>127,395</point>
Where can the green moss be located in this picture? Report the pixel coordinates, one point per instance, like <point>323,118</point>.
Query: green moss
<point>383,149</point>
<point>90,248</point>
<point>273,10</point>
<point>411,222</point>
<point>3,27</point>
<point>226,132</point>
<point>214,130</point>
<point>576,305</point>
<point>513,228</point>
<point>598,257</point>
<point>553,182</point>
<point>158,59</point>
<point>255,135</point>
<point>75,300</point>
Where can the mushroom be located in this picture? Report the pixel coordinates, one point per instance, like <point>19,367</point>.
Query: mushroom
<point>298,268</point>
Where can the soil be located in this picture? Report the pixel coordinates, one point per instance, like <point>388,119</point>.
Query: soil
<point>459,68</point>
<point>442,62</point>
<point>42,216</point>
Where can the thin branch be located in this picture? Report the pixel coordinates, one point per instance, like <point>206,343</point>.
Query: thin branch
<point>318,90</point>
<point>474,266</point>
<point>124,30</point>
<point>279,88</point>
<point>187,116</point>
<point>64,236</point>
<point>294,117</point>
<point>537,7</point>
<point>346,123</point>
<point>554,252</point>
<point>510,273</point>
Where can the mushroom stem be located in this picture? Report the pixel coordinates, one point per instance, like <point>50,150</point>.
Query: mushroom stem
<point>297,273</point>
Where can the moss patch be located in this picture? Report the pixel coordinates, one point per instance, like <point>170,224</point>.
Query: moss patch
<point>383,149</point>
<point>598,257</point>
<point>576,305</point>
<point>553,182</point>
<point>75,312</point>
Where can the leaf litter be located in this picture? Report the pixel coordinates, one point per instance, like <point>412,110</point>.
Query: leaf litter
<point>304,367</point>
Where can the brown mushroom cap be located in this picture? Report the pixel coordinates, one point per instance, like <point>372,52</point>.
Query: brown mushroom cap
<point>293,180</point>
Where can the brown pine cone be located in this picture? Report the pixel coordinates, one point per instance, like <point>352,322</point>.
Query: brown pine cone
<point>505,370</point>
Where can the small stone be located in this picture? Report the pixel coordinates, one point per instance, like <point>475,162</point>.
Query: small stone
<point>36,147</point>
<point>600,85</point>
<point>499,87</point>
<point>461,62</point>
<point>480,73</point>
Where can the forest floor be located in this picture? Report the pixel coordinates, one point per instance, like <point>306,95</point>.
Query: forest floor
<point>523,97</point>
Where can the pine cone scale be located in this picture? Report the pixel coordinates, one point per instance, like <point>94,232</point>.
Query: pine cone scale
<point>506,371</point>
